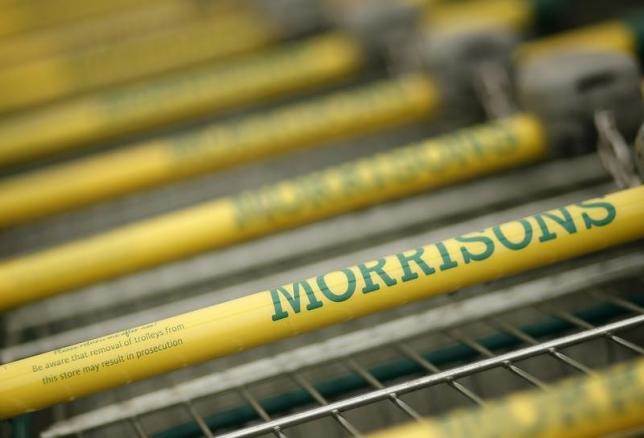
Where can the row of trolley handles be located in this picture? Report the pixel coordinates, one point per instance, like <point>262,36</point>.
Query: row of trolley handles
<point>506,249</point>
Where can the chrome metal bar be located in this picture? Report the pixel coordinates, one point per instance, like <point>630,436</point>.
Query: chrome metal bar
<point>137,427</point>
<point>409,352</point>
<point>566,316</point>
<point>532,380</point>
<point>366,375</point>
<point>433,379</point>
<point>346,425</point>
<point>520,334</point>
<point>618,301</point>
<point>260,410</point>
<point>198,419</point>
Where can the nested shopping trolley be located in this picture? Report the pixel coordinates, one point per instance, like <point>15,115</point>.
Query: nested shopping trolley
<point>482,279</point>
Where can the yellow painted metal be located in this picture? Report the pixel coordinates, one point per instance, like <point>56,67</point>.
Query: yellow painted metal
<point>207,39</point>
<point>306,305</point>
<point>611,35</point>
<point>339,189</point>
<point>118,111</point>
<point>17,17</point>
<point>105,29</point>
<point>362,110</point>
<point>80,121</point>
<point>607,403</point>
<point>73,124</point>
<point>517,15</point>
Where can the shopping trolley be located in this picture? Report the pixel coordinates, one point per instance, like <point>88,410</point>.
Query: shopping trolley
<point>462,349</point>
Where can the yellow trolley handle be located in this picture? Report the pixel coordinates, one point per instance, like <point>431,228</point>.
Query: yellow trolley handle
<point>374,107</point>
<point>103,29</point>
<point>104,176</point>
<point>609,402</point>
<point>434,163</point>
<point>118,111</point>
<point>466,154</point>
<point>24,16</point>
<point>317,302</point>
<point>208,39</point>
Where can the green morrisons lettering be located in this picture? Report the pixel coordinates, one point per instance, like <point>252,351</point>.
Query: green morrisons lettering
<point>596,220</point>
<point>334,295</point>
<point>468,255</point>
<point>293,299</point>
<point>448,262</point>
<point>566,221</point>
<point>416,257</point>
<point>515,246</point>
<point>379,269</point>
<point>379,275</point>
<point>363,182</point>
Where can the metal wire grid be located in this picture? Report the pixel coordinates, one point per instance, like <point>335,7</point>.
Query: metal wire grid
<point>395,394</point>
<point>383,362</point>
